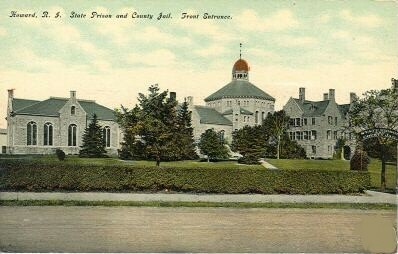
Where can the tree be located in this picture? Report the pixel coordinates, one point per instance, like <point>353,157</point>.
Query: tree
<point>277,124</point>
<point>212,145</point>
<point>377,109</point>
<point>128,120</point>
<point>93,141</point>
<point>184,134</point>
<point>250,142</point>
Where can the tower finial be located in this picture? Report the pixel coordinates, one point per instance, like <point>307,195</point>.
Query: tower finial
<point>240,50</point>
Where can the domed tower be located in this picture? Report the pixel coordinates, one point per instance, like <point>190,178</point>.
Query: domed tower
<point>240,101</point>
<point>240,70</point>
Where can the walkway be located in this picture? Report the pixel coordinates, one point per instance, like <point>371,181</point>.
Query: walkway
<point>267,165</point>
<point>368,197</point>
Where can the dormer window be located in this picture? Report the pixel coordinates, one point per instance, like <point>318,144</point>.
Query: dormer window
<point>73,110</point>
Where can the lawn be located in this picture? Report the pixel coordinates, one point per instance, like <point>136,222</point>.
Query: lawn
<point>115,161</point>
<point>374,168</point>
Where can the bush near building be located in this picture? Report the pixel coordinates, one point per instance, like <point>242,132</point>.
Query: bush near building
<point>30,176</point>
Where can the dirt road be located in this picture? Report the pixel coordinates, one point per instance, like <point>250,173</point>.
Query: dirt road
<point>151,229</point>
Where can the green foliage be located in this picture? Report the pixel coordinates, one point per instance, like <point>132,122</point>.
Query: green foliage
<point>60,154</point>
<point>213,146</point>
<point>30,176</point>
<point>339,149</point>
<point>93,141</point>
<point>377,109</point>
<point>276,124</point>
<point>359,160</point>
<point>155,130</point>
<point>250,142</point>
<point>290,149</point>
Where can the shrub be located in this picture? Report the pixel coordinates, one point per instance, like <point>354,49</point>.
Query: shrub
<point>29,176</point>
<point>359,160</point>
<point>60,154</point>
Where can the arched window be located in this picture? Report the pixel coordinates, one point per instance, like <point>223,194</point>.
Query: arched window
<point>256,118</point>
<point>263,115</point>
<point>72,110</point>
<point>31,134</point>
<point>72,133</point>
<point>48,134</point>
<point>106,134</point>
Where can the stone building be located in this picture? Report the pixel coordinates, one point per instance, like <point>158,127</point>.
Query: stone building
<point>317,125</point>
<point>3,141</point>
<point>235,105</point>
<point>40,127</point>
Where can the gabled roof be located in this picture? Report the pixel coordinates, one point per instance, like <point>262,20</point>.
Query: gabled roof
<point>240,89</point>
<point>51,107</point>
<point>18,104</point>
<point>211,116</point>
<point>344,108</point>
<point>312,108</point>
<point>242,111</point>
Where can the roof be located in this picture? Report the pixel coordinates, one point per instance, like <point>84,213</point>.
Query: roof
<point>22,103</point>
<point>211,116</point>
<point>312,108</point>
<point>241,65</point>
<point>344,108</point>
<point>3,131</point>
<point>51,107</point>
<point>242,111</point>
<point>240,89</point>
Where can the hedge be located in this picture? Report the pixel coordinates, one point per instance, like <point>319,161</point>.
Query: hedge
<point>28,176</point>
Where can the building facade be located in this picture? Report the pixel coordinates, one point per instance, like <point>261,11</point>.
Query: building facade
<point>235,105</point>
<point>317,125</point>
<point>3,141</point>
<point>40,127</point>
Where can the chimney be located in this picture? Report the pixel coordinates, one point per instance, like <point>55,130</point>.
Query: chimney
<point>325,96</point>
<point>331,94</point>
<point>10,93</point>
<point>73,94</point>
<point>173,96</point>
<point>394,84</point>
<point>353,97</point>
<point>189,100</point>
<point>302,94</point>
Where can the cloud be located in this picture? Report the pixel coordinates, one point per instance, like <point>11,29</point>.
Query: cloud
<point>370,20</point>
<point>3,31</point>
<point>160,57</point>
<point>280,20</point>
<point>297,41</point>
<point>152,33</point>
<point>213,50</point>
<point>324,18</point>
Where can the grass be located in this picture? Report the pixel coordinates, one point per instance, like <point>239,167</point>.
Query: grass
<point>115,161</point>
<point>198,204</point>
<point>374,168</point>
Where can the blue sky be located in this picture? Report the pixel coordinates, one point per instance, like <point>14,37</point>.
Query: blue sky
<point>346,45</point>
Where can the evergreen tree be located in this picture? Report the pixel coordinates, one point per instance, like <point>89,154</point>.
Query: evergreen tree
<point>250,142</point>
<point>128,120</point>
<point>212,145</point>
<point>277,124</point>
<point>184,140</point>
<point>93,141</point>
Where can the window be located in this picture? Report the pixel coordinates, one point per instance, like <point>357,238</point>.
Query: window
<point>106,135</point>
<point>335,135</point>
<point>292,135</point>
<point>313,149</point>
<point>244,119</point>
<point>313,135</point>
<point>3,149</point>
<point>330,120</point>
<point>73,110</point>
<point>31,134</point>
<point>305,135</point>
<point>313,121</point>
<point>335,120</point>
<point>263,115</point>
<point>299,135</point>
<point>298,120</point>
<point>305,121</point>
<point>72,135</point>
<point>256,118</point>
<point>329,134</point>
<point>48,134</point>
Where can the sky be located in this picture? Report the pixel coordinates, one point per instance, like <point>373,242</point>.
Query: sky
<point>351,46</point>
